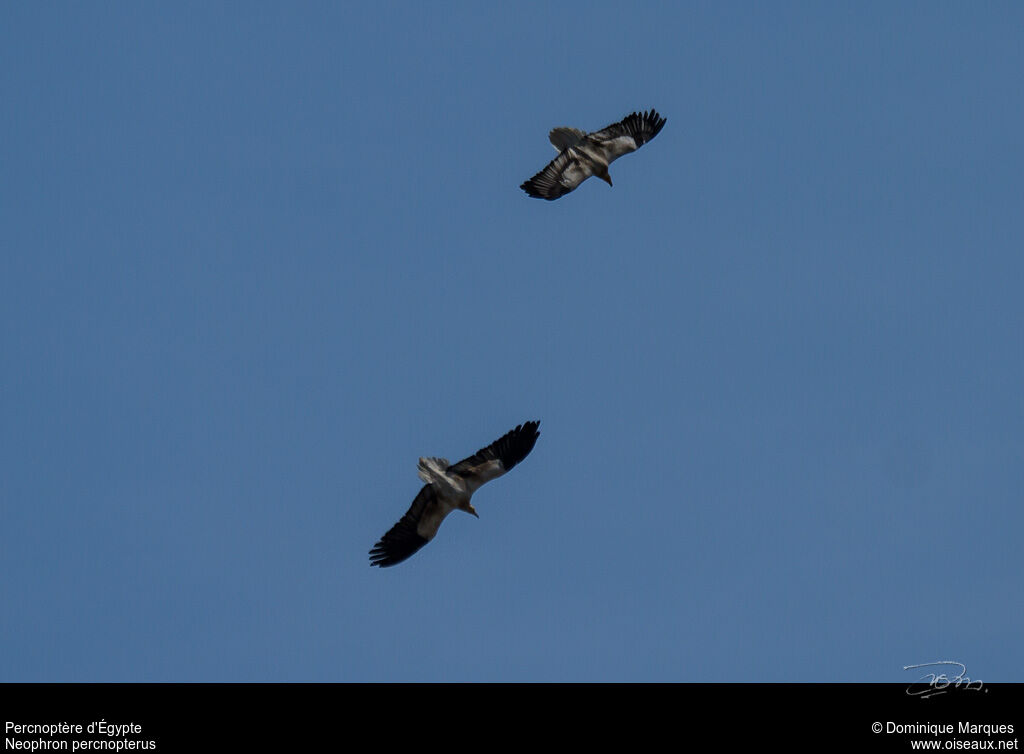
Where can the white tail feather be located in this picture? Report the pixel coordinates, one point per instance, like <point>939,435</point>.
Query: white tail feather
<point>433,469</point>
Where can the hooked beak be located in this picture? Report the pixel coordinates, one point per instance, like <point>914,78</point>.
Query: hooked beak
<point>606,178</point>
<point>471,509</point>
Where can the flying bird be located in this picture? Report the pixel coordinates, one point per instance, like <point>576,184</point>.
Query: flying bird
<point>449,487</point>
<point>581,155</point>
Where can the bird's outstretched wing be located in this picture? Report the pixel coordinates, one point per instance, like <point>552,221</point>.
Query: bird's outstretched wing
<point>417,527</point>
<point>499,457</point>
<point>628,135</point>
<point>562,175</point>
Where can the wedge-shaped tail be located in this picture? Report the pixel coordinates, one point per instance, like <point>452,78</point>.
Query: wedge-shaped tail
<point>563,137</point>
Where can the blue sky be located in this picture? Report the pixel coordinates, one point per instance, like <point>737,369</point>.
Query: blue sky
<point>258,258</point>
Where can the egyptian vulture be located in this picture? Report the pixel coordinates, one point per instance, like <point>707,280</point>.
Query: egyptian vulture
<point>581,155</point>
<point>449,487</point>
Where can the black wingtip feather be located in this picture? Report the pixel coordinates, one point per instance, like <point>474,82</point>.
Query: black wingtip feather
<point>644,126</point>
<point>516,444</point>
<point>533,190</point>
<point>389,552</point>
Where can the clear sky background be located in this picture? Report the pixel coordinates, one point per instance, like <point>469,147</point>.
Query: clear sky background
<point>259,257</point>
